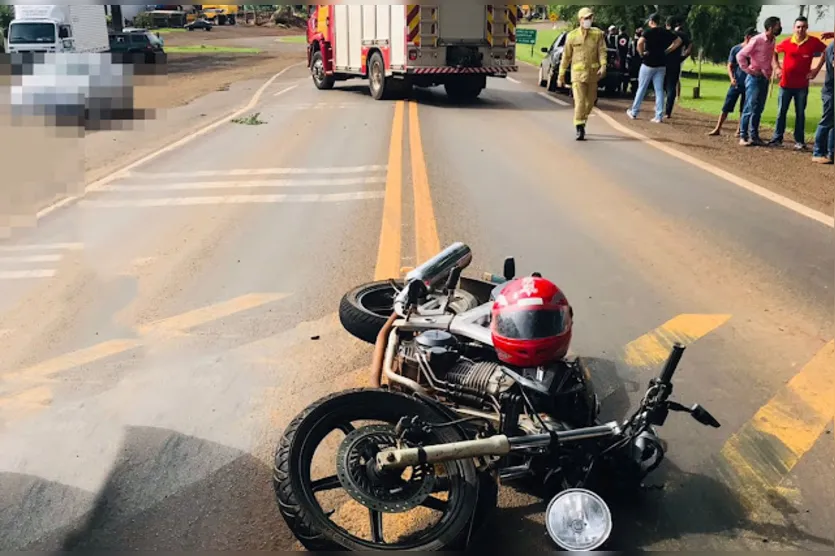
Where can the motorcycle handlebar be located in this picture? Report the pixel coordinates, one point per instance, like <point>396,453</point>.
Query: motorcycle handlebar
<point>670,366</point>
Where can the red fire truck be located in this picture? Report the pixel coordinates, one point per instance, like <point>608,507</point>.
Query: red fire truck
<point>457,45</point>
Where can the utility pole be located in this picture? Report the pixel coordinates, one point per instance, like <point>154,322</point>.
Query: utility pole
<point>117,23</point>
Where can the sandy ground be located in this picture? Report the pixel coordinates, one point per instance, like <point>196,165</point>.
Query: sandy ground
<point>189,76</point>
<point>782,170</point>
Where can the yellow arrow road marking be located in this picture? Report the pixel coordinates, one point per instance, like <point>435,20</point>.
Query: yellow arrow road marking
<point>73,359</point>
<point>197,317</point>
<point>757,460</point>
<point>654,347</point>
<point>171,326</point>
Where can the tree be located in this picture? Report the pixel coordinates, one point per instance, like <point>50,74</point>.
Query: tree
<point>6,17</point>
<point>821,11</point>
<point>717,28</point>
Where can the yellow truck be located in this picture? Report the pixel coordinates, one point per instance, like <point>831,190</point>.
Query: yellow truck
<point>221,14</point>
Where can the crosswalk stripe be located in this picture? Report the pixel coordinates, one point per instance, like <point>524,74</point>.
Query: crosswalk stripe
<point>757,459</point>
<point>32,259</point>
<point>23,274</point>
<point>43,247</point>
<point>258,172</point>
<point>235,200</point>
<point>335,182</point>
<point>654,347</point>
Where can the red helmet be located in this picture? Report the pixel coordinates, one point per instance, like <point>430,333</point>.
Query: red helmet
<point>531,323</point>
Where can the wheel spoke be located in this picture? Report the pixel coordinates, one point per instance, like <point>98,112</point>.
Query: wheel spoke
<point>376,526</point>
<point>328,483</point>
<point>435,504</point>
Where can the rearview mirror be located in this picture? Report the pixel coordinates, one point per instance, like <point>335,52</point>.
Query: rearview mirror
<point>704,417</point>
<point>545,49</point>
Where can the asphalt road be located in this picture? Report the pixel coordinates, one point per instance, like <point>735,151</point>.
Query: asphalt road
<point>159,334</point>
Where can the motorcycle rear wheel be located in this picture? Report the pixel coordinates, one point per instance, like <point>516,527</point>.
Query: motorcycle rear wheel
<point>364,310</point>
<point>469,493</point>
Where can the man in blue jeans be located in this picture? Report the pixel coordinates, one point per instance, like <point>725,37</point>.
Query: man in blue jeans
<point>653,47</point>
<point>799,50</point>
<point>756,60</point>
<point>825,134</point>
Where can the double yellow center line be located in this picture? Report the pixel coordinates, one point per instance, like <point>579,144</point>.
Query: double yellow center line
<point>427,244</point>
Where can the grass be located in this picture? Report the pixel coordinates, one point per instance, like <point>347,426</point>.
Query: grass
<point>166,30</point>
<point>249,120</point>
<point>209,49</point>
<point>715,83</point>
<point>544,38</point>
<point>294,39</point>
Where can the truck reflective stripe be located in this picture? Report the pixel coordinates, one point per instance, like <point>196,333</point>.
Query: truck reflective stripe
<point>413,23</point>
<point>490,24</point>
<point>511,24</point>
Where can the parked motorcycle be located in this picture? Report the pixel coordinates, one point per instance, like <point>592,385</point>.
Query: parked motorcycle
<point>452,423</point>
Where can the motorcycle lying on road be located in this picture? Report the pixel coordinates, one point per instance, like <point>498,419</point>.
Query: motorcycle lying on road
<point>453,423</point>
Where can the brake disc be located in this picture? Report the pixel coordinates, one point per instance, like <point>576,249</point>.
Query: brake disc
<point>384,491</point>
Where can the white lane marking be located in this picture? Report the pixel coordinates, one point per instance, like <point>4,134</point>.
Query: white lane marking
<point>242,184</point>
<point>22,274</point>
<point>43,247</point>
<point>257,172</point>
<point>32,259</point>
<point>554,99</point>
<point>236,199</point>
<point>734,179</point>
<point>168,148</point>
<point>512,80</point>
<point>282,91</point>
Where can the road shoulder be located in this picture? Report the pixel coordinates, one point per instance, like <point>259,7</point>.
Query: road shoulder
<point>779,170</point>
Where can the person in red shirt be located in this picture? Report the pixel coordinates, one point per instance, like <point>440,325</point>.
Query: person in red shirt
<point>798,51</point>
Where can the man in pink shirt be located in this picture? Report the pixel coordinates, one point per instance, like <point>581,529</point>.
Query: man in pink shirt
<point>756,59</point>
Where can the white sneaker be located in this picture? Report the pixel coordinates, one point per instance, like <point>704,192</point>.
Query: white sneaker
<point>630,114</point>
<point>656,120</point>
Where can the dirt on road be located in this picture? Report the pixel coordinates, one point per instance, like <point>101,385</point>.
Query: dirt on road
<point>187,76</point>
<point>782,170</point>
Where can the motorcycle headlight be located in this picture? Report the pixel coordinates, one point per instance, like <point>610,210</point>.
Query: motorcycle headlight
<point>578,520</point>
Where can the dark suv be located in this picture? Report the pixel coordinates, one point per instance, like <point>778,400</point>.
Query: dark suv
<point>130,45</point>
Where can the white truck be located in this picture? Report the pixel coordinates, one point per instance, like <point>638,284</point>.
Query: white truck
<point>40,28</point>
<point>457,45</point>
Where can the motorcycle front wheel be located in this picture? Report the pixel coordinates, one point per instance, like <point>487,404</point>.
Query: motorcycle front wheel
<point>365,309</point>
<point>454,490</point>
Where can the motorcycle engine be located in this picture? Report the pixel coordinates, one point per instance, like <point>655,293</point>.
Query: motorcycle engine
<point>442,352</point>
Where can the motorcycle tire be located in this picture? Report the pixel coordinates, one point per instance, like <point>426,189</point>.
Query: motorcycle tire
<point>364,321</point>
<point>308,521</point>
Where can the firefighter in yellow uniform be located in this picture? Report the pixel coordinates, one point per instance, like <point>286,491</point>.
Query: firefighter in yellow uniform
<point>586,55</point>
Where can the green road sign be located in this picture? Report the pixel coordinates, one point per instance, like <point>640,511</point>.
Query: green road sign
<point>525,36</point>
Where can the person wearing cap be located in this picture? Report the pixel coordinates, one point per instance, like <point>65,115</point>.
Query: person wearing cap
<point>586,55</point>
